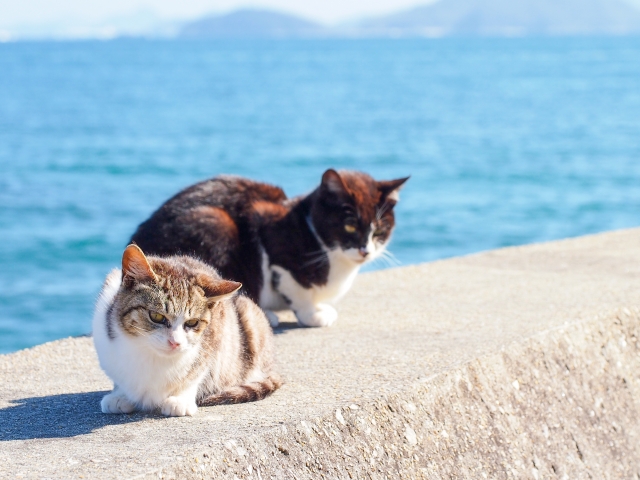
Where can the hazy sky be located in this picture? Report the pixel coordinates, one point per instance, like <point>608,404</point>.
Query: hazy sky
<point>38,12</point>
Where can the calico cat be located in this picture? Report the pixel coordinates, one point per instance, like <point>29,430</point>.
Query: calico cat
<point>172,335</point>
<point>300,254</point>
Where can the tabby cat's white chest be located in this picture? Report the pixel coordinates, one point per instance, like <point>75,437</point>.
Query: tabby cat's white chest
<point>132,367</point>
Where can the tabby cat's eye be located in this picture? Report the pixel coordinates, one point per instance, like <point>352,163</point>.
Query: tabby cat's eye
<point>157,317</point>
<point>349,228</point>
<point>191,323</point>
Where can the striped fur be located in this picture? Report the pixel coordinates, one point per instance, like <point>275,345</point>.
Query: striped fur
<point>173,335</point>
<point>249,392</point>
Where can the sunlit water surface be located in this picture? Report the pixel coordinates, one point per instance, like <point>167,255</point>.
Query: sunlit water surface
<point>507,141</point>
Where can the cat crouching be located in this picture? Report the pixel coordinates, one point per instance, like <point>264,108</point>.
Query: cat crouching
<point>172,335</point>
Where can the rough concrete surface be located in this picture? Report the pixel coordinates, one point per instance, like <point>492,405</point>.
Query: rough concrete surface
<point>521,362</point>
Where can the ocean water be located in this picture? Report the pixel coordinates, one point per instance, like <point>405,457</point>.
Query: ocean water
<point>507,141</point>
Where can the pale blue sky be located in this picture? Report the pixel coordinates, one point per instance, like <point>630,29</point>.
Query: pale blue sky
<point>41,12</point>
<point>106,18</point>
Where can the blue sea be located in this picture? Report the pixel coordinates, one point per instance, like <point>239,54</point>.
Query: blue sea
<point>507,141</point>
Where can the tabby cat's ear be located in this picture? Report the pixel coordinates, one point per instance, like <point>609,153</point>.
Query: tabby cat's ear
<point>215,289</point>
<point>390,189</point>
<point>135,266</point>
<point>332,183</point>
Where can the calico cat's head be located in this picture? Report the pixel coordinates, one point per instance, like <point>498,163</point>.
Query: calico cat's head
<point>168,303</point>
<point>354,213</point>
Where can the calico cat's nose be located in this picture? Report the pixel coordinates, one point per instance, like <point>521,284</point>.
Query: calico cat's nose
<point>363,252</point>
<point>173,344</point>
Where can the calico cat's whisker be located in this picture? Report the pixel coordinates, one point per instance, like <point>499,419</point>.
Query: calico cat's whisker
<point>313,261</point>
<point>314,253</point>
<point>318,258</point>
<point>389,258</point>
<point>385,262</point>
<point>382,210</point>
<point>303,251</point>
<point>312,264</point>
<point>388,254</point>
<point>381,260</point>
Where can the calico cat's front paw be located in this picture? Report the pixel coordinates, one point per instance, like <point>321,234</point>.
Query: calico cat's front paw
<point>274,321</point>
<point>116,403</point>
<point>178,407</point>
<point>322,315</point>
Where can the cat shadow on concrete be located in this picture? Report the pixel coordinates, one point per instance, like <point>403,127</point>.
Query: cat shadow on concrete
<point>284,327</point>
<point>57,416</point>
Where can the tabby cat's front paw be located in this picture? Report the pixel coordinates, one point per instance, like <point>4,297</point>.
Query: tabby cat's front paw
<point>322,315</point>
<point>116,403</point>
<point>178,407</point>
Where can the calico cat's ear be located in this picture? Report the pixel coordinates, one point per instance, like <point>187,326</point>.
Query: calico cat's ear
<point>332,183</point>
<point>216,290</point>
<point>390,189</point>
<point>135,265</point>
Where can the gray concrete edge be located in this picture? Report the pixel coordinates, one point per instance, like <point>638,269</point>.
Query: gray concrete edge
<point>564,403</point>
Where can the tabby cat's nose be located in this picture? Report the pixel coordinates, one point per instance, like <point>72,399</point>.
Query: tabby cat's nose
<point>363,252</point>
<point>173,344</point>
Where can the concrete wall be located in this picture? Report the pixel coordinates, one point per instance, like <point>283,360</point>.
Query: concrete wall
<point>520,362</point>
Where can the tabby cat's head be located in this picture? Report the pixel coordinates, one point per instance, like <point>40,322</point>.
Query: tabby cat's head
<point>168,303</point>
<point>354,213</point>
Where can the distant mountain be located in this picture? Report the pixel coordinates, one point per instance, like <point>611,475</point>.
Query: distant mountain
<point>443,18</point>
<point>252,24</point>
<point>508,18</point>
<point>440,18</point>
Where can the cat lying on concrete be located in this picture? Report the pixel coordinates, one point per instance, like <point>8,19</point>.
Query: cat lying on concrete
<point>300,254</point>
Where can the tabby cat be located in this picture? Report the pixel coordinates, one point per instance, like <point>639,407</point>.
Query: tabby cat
<point>172,335</point>
<point>300,254</point>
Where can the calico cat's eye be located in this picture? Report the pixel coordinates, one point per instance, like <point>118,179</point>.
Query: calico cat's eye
<point>349,228</point>
<point>157,317</point>
<point>191,323</point>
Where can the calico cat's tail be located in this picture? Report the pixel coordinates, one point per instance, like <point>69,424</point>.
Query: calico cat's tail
<point>249,392</point>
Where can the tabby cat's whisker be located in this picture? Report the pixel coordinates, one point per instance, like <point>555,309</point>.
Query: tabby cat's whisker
<point>176,369</point>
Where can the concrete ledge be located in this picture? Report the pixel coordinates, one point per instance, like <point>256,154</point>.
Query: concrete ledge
<point>522,362</point>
